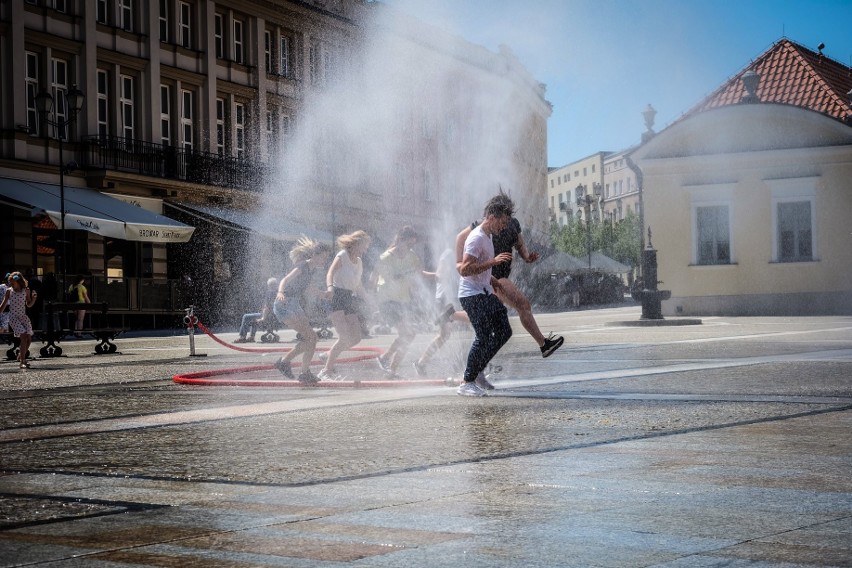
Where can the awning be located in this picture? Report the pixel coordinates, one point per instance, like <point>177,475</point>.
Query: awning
<point>90,210</point>
<point>268,224</point>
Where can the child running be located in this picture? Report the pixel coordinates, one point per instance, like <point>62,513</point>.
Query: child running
<point>307,256</point>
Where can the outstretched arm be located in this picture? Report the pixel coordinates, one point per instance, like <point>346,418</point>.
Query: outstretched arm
<point>521,247</point>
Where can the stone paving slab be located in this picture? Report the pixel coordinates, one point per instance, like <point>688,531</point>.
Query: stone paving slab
<point>734,451</point>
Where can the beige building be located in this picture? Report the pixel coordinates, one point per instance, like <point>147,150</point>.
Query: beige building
<point>575,191</point>
<point>748,196</point>
<point>620,190</point>
<point>189,107</point>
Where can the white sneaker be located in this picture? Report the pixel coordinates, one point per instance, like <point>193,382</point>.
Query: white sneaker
<point>470,389</point>
<point>326,375</point>
<point>482,382</point>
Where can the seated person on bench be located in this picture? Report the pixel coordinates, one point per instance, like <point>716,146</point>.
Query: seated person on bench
<point>265,317</point>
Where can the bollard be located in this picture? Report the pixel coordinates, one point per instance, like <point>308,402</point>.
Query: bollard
<point>190,319</point>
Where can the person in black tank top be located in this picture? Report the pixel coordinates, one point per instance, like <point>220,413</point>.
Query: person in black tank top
<point>509,240</point>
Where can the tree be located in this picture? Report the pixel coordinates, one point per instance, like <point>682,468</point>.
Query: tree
<point>620,240</point>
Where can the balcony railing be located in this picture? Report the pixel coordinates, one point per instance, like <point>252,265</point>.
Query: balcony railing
<point>170,162</point>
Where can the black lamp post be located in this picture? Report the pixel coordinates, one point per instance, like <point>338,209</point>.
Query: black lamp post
<point>585,201</point>
<point>74,99</point>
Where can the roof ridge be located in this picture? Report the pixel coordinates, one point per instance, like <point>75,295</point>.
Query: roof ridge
<point>797,49</point>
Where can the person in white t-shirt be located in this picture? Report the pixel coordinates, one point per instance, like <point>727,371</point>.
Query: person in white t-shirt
<point>486,312</point>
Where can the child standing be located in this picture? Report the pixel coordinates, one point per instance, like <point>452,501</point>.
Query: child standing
<point>19,297</point>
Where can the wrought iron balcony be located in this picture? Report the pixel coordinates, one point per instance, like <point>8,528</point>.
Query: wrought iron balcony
<point>171,162</point>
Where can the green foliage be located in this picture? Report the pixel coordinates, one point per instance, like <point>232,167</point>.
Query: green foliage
<point>620,240</point>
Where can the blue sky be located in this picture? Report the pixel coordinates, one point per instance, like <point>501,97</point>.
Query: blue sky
<point>604,61</point>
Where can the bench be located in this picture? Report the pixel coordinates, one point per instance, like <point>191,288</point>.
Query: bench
<point>57,312</point>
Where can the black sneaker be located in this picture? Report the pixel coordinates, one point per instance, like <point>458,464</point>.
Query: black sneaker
<point>308,378</point>
<point>285,368</point>
<point>446,315</point>
<point>551,344</point>
<point>421,369</point>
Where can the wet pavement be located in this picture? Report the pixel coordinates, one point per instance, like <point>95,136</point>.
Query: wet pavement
<point>721,444</point>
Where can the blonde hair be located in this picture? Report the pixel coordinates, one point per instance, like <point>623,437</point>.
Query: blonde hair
<point>347,242</point>
<point>306,248</point>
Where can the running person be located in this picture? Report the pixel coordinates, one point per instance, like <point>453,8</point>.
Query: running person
<point>477,287</point>
<point>344,285</point>
<point>507,240</point>
<point>308,256</point>
<point>394,278</point>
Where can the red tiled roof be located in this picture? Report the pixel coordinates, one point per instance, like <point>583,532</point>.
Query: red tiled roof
<point>790,74</point>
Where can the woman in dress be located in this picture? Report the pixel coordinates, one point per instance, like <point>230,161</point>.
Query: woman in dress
<point>307,256</point>
<point>344,285</point>
<point>19,297</point>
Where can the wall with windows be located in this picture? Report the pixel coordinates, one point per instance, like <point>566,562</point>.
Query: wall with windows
<point>750,210</point>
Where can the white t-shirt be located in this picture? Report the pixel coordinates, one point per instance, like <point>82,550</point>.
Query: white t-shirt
<point>447,282</point>
<point>478,245</point>
<point>348,274</point>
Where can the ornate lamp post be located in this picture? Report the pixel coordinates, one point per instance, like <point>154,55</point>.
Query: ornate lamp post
<point>585,201</point>
<point>74,99</point>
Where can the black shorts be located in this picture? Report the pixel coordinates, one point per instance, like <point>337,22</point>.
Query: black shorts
<point>344,300</point>
<point>501,270</point>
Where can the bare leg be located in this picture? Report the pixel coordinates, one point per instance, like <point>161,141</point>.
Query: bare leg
<point>349,332</point>
<point>308,343</point>
<point>511,296</point>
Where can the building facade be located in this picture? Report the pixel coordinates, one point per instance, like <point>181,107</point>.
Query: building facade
<point>190,108</point>
<point>748,196</point>
<point>568,187</point>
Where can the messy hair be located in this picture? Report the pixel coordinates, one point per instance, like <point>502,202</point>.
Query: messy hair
<point>346,242</point>
<point>18,277</point>
<point>499,205</point>
<point>406,232</point>
<point>306,248</point>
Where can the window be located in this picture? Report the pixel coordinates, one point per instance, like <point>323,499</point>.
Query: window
<point>220,127</point>
<point>164,21</point>
<point>185,25</point>
<point>284,57</point>
<point>186,126</point>
<point>103,103</point>
<point>125,13</point>
<point>238,41</point>
<point>58,5</point>
<point>165,115</point>
<point>558,181</point>
<point>714,237</point>
<point>584,171</point>
<point>128,125</point>
<point>593,168</point>
<point>58,88</point>
<point>794,231</point>
<point>267,50</point>
<point>32,91</point>
<point>551,184</point>
<point>240,129</point>
<point>101,12</point>
<point>219,35</point>
<point>576,173</point>
<point>285,126</point>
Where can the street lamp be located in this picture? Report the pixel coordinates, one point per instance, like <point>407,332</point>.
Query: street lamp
<point>585,201</point>
<point>74,99</point>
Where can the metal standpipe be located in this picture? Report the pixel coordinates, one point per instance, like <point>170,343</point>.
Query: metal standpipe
<point>651,297</point>
<point>190,319</point>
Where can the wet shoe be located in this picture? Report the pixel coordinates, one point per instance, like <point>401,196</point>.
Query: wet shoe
<point>285,368</point>
<point>470,389</point>
<point>241,340</point>
<point>483,383</point>
<point>446,315</point>
<point>326,375</point>
<point>384,365</point>
<point>308,378</point>
<point>551,344</point>
<point>322,355</point>
<point>421,369</point>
